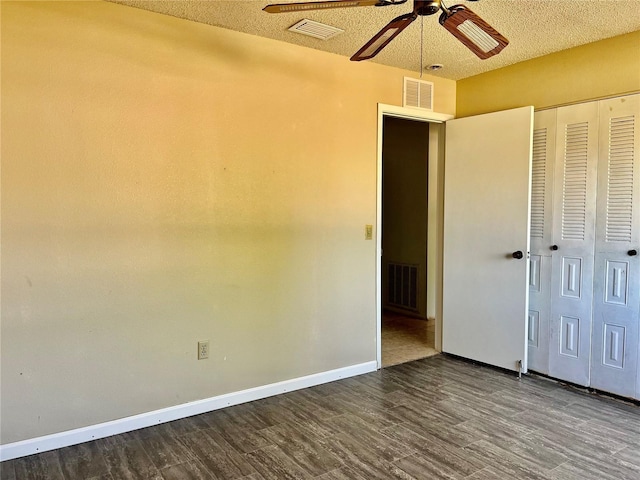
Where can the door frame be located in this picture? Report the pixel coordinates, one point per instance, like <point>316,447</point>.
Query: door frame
<point>434,210</point>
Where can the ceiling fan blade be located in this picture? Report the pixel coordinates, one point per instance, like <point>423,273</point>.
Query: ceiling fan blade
<point>476,34</point>
<point>301,7</point>
<point>384,37</point>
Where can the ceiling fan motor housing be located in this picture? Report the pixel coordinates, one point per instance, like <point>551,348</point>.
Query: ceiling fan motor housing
<point>426,7</point>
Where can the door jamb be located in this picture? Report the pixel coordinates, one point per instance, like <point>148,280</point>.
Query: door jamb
<point>417,115</point>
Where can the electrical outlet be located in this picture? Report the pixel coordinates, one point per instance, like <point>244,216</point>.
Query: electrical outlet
<point>203,349</point>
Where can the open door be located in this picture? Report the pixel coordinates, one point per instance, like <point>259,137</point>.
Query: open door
<point>486,237</point>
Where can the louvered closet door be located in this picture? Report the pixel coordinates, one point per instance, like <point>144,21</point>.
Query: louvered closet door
<point>614,364</point>
<point>544,134</point>
<point>574,234</point>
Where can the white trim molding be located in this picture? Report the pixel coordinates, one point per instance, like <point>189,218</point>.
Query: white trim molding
<point>93,432</point>
<point>408,114</point>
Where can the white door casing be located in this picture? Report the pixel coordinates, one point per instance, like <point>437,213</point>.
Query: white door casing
<point>486,219</point>
<point>574,234</point>
<point>544,135</point>
<point>616,302</point>
<point>434,212</point>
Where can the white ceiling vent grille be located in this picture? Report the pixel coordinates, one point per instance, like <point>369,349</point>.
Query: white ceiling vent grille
<point>315,29</point>
<point>418,93</point>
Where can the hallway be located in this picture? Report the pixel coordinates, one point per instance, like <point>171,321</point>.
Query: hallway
<point>406,338</point>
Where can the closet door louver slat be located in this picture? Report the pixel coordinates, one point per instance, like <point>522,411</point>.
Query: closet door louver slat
<point>620,179</point>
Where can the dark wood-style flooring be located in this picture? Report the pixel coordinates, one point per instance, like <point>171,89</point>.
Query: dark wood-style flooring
<point>437,418</point>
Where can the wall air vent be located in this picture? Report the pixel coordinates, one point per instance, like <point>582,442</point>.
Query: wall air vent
<point>418,94</point>
<point>402,284</point>
<point>315,29</point>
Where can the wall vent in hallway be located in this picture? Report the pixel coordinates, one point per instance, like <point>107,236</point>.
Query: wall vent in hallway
<point>402,285</point>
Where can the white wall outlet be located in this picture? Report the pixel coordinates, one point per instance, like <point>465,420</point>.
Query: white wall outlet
<point>203,349</point>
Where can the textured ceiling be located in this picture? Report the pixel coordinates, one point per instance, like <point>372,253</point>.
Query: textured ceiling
<point>533,27</point>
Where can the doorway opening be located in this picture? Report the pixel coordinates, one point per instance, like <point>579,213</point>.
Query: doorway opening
<point>407,333</point>
<point>409,225</point>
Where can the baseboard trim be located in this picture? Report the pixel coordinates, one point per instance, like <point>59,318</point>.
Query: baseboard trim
<point>31,446</point>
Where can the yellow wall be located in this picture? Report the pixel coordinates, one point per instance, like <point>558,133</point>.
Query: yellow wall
<point>600,69</point>
<point>165,182</point>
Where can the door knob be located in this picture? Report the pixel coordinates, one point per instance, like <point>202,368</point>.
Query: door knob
<point>518,254</point>
<point>554,247</point>
<point>632,253</point>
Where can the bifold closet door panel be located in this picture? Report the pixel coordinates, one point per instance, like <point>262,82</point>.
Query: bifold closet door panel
<point>616,306</point>
<point>574,197</point>
<point>544,135</point>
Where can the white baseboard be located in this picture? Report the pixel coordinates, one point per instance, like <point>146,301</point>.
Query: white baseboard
<point>93,432</point>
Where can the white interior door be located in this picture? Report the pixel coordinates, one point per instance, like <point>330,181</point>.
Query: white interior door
<point>544,151</point>
<point>574,217</point>
<point>616,302</point>
<point>486,220</point>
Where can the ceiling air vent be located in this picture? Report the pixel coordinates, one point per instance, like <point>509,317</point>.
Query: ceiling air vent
<point>418,93</point>
<point>315,29</point>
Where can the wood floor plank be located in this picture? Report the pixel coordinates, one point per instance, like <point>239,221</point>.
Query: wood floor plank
<point>527,397</point>
<point>608,414</point>
<point>120,439</point>
<point>446,433</point>
<point>492,404</point>
<point>386,448</point>
<point>273,464</point>
<point>571,441</point>
<point>492,429</point>
<point>513,466</point>
<point>191,470</point>
<point>343,473</point>
<point>302,448</point>
<point>408,395</point>
<point>190,424</point>
<point>316,426</point>
<point>300,403</point>
<point>531,449</point>
<point>82,461</point>
<point>579,453</point>
<point>445,459</point>
<point>240,435</point>
<point>549,419</point>
<point>129,461</point>
<point>373,415</point>
<point>420,467</point>
<point>216,454</point>
<point>442,413</point>
<point>7,470</point>
<point>165,450</point>
<point>590,468</point>
<point>362,459</point>
<point>37,467</point>
<point>629,456</point>
<point>488,473</point>
<point>623,434</point>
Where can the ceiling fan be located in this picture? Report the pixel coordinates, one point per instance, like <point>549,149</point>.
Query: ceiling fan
<point>476,34</point>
